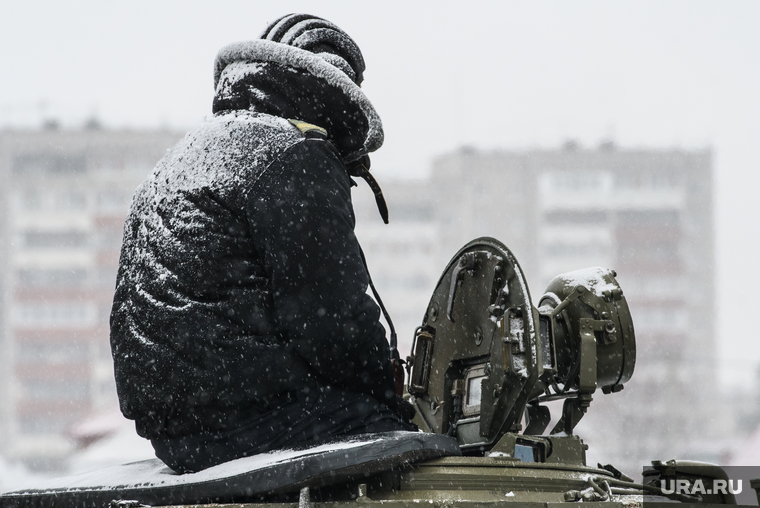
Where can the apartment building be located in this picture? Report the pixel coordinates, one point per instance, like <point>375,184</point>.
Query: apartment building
<point>645,213</point>
<point>648,214</point>
<point>402,255</point>
<point>64,199</point>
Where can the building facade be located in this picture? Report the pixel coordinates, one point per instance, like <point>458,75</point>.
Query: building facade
<point>402,255</point>
<point>64,199</point>
<point>645,213</point>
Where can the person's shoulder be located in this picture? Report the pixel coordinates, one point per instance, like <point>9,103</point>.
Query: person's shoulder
<point>251,128</point>
<point>249,124</point>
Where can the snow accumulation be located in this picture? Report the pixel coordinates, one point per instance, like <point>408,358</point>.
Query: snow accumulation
<point>524,288</point>
<point>592,278</point>
<point>268,51</point>
<point>224,175</point>
<point>518,363</point>
<point>174,178</point>
<point>123,445</point>
<point>156,473</point>
<point>15,476</point>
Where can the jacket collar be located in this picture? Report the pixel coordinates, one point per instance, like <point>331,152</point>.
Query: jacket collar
<point>285,81</point>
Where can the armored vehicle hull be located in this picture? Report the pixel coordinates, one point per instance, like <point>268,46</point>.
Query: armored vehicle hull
<point>484,363</point>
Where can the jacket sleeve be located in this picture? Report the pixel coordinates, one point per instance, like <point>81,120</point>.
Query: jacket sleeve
<point>303,223</point>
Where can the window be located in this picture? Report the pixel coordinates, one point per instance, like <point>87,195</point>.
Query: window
<point>51,278</point>
<point>64,200</point>
<point>71,200</point>
<point>652,179</point>
<point>648,218</point>
<point>42,163</point>
<point>670,319</point>
<point>399,282</point>
<point>39,239</point>
<point>106,276</point>
<point>46,423</point>
<point>656,287</point>
<point>30,199</point>
<point>412,212</point>
<point>36,351</point>
<point>562,217</point>
<point>574,181</point>
<point>59,389</point>
<point>109,239</point>
<point>49,314</point>
<point>566,249</point>
<point>137,166</point>
<point>657,250</point>
<point>114,201</point>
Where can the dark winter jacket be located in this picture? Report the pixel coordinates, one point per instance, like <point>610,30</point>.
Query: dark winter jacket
<point>240,279</point>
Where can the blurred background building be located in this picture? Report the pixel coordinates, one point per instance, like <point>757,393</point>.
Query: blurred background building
<point>646,213</point>
<point>64,198</point>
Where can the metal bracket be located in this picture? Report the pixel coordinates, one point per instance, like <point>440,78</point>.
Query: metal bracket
<point>537,418</point>
<point>466,262</point>
<point>572,412</point>
<point>420,364</point>
<point>601,306</point>
<point>576,293</point>
<point>587,375</point>
<point>513,341</point>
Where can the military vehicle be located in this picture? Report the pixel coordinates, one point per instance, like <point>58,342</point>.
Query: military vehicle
<point>484,363</point>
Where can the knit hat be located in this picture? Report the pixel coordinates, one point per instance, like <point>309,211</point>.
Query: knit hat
<point>311,57</point>
<point>320,37</point>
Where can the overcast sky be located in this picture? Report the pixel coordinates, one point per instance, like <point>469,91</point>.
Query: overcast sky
<point>442,75</point>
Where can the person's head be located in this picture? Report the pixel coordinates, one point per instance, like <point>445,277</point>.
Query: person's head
<point>306,68</point>
<point>320,37</point>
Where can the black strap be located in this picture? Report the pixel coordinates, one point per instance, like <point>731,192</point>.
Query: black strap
<point>362,171</point>
<point>394,339</point>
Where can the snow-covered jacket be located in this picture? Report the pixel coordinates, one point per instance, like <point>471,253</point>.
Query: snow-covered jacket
<point>240,278</point>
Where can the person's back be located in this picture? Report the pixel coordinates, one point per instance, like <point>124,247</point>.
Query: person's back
<point>240,320</point>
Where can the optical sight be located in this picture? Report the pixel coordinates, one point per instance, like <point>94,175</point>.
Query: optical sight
<point>485,356</point>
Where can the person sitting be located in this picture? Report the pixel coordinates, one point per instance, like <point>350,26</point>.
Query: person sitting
<point>241,321</point>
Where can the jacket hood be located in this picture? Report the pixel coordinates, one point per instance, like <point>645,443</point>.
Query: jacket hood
<point>286,81</point>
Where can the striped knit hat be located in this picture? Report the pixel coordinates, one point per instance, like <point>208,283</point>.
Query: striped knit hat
<point>320,37</point>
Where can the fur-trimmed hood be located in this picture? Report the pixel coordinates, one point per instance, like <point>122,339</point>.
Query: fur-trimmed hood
<point>286,81</point>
